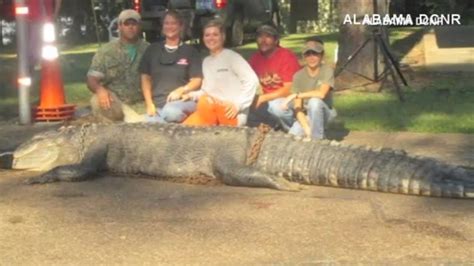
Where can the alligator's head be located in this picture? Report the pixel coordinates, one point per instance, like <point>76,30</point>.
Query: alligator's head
<point>48,150</point>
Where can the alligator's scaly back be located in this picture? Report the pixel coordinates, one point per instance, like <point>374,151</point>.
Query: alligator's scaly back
<point>334,164</point>
<point>238,156</point>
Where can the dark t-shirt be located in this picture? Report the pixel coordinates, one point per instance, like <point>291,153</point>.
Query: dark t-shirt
<point>170,70</point>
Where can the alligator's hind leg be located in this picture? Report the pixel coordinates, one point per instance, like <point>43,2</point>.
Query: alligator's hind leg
<point>93,160</point>
<point>236,174</point>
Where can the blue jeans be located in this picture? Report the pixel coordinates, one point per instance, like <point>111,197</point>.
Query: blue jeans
<point>286,117</point>
<point>173,112</point>
<point>318,114</point>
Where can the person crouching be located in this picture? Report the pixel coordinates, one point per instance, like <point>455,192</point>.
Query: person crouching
<point>229,84</point>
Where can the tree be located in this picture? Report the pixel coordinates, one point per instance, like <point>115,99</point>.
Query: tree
<point>302,10</point>
<point>80,11</point>
<point>353,36</point>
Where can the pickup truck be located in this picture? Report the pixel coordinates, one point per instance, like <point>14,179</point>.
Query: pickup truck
<point>240,16</point>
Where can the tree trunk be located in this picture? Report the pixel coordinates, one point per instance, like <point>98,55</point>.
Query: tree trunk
<point>351,37</point>
<point>302,10</point>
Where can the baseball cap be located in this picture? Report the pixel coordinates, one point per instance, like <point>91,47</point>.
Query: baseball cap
<point>313,46</point>
<point>268,29</point>
<point>129,14</point>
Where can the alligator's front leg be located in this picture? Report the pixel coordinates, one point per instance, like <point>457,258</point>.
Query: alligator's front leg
<point>233,173</point>
<point>92,162</point>
<point>64,173</point>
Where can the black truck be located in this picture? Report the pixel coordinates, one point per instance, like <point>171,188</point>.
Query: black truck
<point>241,17</point>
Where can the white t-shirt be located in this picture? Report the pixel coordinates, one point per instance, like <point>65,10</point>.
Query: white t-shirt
<point>228,77</point>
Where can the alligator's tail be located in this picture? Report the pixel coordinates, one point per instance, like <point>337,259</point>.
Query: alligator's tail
<point>385,170</point>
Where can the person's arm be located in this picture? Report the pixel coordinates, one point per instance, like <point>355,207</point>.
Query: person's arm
<point>194,95</point>
<point>327,83</point>
<point>147,90</point>
<point>94,84</point>
<point>301,116</point>
<point>249,83</point>
<point>195,74</point>
<point>103,95</point>
<point>283,91</point>
<point>95,79</point>
<point>145,70</point>
<point>320,92</point>
<point>248,79</point>
<point>192,85</point>
<point>296,87</point>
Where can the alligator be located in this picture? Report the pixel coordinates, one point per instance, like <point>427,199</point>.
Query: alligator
<point>280,161</point>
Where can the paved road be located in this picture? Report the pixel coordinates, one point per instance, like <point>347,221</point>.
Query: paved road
<point>114,220</point>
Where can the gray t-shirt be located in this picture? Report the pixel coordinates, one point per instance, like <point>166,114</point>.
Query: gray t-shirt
<point>303,82</point>
<point>228,77</point>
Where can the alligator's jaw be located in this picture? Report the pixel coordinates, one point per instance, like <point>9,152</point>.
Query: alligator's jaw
<point>35,158</point>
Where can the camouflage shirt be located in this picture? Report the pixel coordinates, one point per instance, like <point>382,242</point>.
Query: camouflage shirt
<point>117,72</point>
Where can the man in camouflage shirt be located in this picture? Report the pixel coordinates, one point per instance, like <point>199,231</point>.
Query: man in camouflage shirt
<point>113,75</point>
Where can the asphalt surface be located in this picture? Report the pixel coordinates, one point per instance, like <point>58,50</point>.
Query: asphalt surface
<point>135,221</point>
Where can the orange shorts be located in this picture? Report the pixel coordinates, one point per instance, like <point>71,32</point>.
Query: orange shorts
<point>209,112</point>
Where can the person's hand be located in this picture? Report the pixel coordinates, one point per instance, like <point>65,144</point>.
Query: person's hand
<point>260,101</point>
<point>307,130</point>
<point>186,97</point>
<point>211,99</point>
<point>231,110</point>
<point>176,94</point>
<point>151,109</point>
<point>104,97</point>
<point>287,101</point>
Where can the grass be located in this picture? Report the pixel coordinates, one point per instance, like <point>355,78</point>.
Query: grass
<point>440,103</point>
<point>433,111</point>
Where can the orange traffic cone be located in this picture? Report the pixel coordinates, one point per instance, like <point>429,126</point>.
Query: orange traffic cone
<point>53,105</point>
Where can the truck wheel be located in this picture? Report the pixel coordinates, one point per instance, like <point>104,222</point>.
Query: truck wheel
<point>237,32</point>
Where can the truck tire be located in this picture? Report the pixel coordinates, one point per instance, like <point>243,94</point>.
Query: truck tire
<point>237,32</point>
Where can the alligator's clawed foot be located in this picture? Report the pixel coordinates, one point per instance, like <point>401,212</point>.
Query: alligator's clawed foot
<point>42,179</point>
<point>285,185</point>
